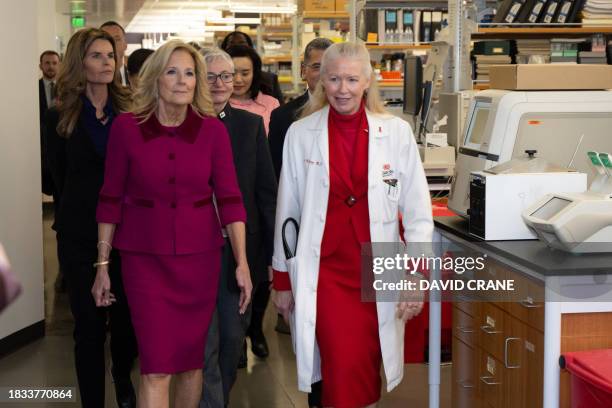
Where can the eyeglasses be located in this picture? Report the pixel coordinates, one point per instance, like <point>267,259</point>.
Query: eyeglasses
<point>226,77</point>
<point>314,67</point>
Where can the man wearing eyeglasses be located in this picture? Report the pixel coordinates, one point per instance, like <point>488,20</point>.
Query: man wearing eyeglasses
<point>257,182</point>
<point>283,116</point>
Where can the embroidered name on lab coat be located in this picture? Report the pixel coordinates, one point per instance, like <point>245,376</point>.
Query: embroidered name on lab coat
<point>308,161</point>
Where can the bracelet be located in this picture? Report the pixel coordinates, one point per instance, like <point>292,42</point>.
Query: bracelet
<point>96,264</point>
<point>105,243</point>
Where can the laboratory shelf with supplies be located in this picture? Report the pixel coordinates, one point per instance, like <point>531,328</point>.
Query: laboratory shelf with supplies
<point>392,46</point>
<point>488,32</point>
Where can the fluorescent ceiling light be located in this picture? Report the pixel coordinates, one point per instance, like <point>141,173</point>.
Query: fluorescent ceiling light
<point>287,9</point>
<point>233,20</point>
<point>220,28</point>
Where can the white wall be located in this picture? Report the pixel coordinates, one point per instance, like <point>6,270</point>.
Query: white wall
<point>20,194</point>
<point>45,23</point>
<point>53,27</point>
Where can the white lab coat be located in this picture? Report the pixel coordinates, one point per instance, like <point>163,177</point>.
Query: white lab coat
<point>303,195</point>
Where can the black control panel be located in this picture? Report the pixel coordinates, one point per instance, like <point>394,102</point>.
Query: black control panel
<point>476,212</point>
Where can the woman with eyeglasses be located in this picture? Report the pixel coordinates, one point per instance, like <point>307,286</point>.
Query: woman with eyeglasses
<point>257,183</point>
<point>247,93</point>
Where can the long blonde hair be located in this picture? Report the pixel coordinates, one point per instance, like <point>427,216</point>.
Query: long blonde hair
<point>72,80</point>
<point>146,95</point>
<point>354,51</point>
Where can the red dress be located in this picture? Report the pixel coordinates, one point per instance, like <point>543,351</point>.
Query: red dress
<point>347,328</point>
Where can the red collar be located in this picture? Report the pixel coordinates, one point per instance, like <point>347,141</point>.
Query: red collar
<point>188,130</point>
<point>354,119</point>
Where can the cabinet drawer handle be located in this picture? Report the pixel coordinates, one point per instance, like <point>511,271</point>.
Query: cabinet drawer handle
<point>487,380</point>
<point>465,384</point>
<point>508,340</point>
<point>489,329</point>
<point>526,303</point>
<point>464,329</point>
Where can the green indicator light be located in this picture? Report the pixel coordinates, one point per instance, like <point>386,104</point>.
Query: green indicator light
<point>77,21</point>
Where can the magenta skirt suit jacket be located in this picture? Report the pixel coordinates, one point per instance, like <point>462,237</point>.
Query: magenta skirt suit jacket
<point>158,190</point>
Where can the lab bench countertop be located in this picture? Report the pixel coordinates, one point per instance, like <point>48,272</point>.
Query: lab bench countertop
<point>533,255</point>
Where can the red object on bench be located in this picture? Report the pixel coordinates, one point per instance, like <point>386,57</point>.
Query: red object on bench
<point>591,383</point>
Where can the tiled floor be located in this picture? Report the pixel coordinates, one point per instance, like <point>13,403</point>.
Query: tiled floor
<point>269,383</point>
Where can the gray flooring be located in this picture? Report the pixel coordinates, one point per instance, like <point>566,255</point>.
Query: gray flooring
<point>269,383</point>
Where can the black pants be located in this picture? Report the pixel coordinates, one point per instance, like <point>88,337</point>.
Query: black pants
<point>76,259</point>
<point>261,296</point>
<point>225,338</point>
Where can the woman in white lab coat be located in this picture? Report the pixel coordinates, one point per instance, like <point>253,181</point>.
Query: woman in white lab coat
<point>349,170</point>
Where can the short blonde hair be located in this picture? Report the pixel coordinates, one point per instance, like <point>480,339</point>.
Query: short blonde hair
<point>146,95</point>
<point>354,51</point>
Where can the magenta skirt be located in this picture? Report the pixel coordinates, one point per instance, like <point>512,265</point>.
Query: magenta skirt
<point>171,300</point>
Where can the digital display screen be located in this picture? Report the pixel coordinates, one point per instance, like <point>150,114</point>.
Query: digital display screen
<point>407,18</point>
<point>550,208</point>
<point>478,122</point>
<point>391,17</point>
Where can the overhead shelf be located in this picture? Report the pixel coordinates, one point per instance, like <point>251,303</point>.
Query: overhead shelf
<point>276,58</point>
<point>391,84</point>
<point>373,46</point>
<point>482,86</point>
<point>278,34</point>
<point>285,80</point>
<point>279,26</point>
<point>533,32</point>
<point>321,14</point>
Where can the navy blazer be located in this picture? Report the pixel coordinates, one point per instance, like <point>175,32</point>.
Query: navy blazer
<point>78,173</point>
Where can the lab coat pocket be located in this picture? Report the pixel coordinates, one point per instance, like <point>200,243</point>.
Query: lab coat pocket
<point>292,269</point>
<point>390,199</point>
<point>392,188</point>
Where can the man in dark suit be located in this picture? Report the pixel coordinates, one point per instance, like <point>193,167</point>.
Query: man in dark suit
<point>49,66</point>
<point>283,116</point>
<point>118,33</point>
<point>258,185</point>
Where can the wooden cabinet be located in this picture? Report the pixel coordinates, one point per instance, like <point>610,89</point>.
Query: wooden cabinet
<point>533,352</point>
<point>465,376</point>
<point>498,356</point>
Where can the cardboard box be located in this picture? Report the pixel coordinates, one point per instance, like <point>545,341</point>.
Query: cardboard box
<point>341,6</point>
<point>550,77</point>
<point>325,6</point>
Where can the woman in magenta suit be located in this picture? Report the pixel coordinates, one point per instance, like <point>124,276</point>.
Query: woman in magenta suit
<point>164,163</point>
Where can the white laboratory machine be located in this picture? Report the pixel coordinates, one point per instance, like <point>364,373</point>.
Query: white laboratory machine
<point>499,196</point>
<point>577,222</point>
<point>501,125</point>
